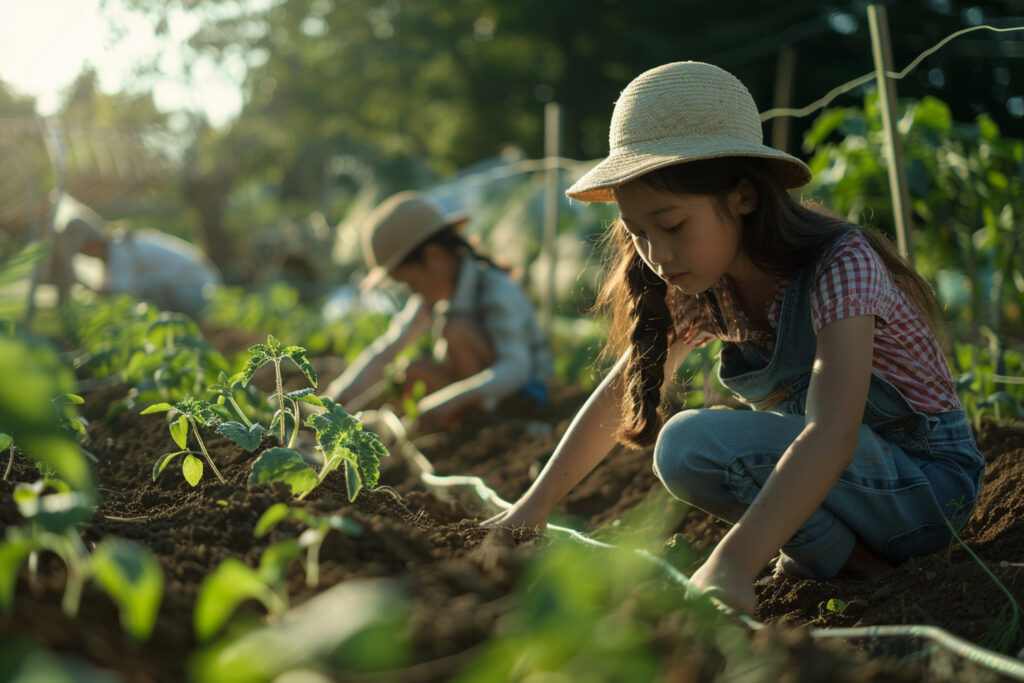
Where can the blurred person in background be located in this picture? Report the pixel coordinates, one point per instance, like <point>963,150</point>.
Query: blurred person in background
<point>147,264</point>
<point>487,343</point>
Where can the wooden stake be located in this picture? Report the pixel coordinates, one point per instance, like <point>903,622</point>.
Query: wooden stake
<point>552,115</point>
<point>785,70</point>
<point>881,51</point>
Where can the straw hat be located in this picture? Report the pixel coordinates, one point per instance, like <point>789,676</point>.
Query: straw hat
<point>678,112</point>
<point>394,229</point>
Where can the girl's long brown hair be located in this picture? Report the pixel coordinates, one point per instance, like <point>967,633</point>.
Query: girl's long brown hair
<point>781,237</point>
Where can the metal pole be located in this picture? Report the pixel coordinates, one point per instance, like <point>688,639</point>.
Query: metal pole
<point>552,115</point>
<point>881,51</point>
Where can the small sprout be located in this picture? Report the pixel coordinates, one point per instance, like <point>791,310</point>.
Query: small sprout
<point>313,537</point>
<point>128,572</point>
<point>191,413</point>
<point>835,605</point>
<point>233,582</point>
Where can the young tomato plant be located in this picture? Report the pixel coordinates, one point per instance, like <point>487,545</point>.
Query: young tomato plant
<point>191,413</point>
<point>341,439</point>
<point>317,528</point>
<point>287,404</point>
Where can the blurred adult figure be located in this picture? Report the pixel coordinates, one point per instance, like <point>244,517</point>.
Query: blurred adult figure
<point>151,265</point>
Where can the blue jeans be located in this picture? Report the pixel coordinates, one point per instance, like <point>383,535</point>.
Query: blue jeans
<point>896,499</point>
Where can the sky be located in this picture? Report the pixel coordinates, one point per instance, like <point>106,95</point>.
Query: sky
<point>45,43</point>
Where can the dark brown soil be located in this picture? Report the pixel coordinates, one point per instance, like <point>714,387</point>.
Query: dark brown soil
<point>461,577</point>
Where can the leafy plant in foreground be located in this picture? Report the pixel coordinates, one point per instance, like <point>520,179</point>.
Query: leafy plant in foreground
<point>191,413</point>
<point>318,526</point>
<point>233,582</point>
<point>126,571</point>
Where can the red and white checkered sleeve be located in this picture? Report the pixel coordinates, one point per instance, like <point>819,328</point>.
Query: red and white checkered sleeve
<point>854,281</point>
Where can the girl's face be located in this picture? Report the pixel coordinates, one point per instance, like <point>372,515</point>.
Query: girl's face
<point>433,277</point>
<point>687,239</point>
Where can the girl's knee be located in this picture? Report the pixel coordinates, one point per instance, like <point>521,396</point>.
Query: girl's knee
<point>686,449</point>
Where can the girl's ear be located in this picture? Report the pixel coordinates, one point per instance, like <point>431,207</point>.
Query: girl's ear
<point>744,198</point>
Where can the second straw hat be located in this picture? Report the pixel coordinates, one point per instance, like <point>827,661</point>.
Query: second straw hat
<point>395,228</point>
<point>679,112</point>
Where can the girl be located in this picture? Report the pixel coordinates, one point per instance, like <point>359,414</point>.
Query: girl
<point>488,343</point>
<point>858,451</point>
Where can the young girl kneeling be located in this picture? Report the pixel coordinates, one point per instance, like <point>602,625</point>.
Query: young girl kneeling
<point>857,451</point>
<point>488,344</point>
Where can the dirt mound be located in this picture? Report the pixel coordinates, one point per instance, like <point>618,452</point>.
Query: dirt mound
<point>461,578</point>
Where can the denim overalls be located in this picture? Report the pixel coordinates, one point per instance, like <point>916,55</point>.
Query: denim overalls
<point>911,472</point>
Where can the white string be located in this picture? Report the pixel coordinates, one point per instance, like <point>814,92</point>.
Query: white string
<point>866,78</point>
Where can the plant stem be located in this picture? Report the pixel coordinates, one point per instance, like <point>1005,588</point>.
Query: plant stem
<point>313,564</point>
<point>238,410</point>
<point>295,429</point>
<point>1013,602</point>
<point>76,559</point>
<point>202,446</point>
<point>280,394</point>
<point>10,463</point>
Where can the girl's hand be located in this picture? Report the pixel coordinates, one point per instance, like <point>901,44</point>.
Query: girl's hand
<point>731,586</point>
<point>522,513</point>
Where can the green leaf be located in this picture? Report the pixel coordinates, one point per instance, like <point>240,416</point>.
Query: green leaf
<point>298,356</point>
<point>222,591</point>
<point>275,560</point>
<point>192,468</point>
<point>5,441</point>
<point>835,605</point>
<point>13,552</point>
<point>161,463</point>
<point>312,400</point>
<point>179,431</point>
<point>285,465</point>
<point>300,393</point>
<point>132,577</point>
<point>352,480</point>
<point>157,408</point>
<point>55,512</point>
<point>248,438</point>
<point>271,516</point>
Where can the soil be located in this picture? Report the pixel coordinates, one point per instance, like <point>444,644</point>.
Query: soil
<point>462,579</point>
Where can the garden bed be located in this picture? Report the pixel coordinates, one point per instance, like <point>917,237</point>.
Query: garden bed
<point>460,579</point>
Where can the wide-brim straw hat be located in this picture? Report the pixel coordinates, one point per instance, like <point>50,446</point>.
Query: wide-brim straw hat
<point>681,112</point>
<point>395,228</point>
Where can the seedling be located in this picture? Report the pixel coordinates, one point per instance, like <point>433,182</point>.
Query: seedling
<point>71,425</point>
<point>1008,629</point>
<point>127,572</point>
<point>233,582</point>
<point>342,440</point>
<point>275,352</point>
<point>191,413</point>
<point>313,537</point>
